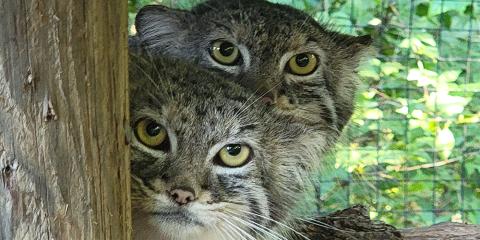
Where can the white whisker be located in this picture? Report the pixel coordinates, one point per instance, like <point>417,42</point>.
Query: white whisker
<point>277,222</point>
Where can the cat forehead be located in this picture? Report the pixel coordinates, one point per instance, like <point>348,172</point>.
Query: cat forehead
<point>257,14</point>
<point>259,23</point>
<point>163,78</point>
<point>186,94</point>
<point>259,9</point>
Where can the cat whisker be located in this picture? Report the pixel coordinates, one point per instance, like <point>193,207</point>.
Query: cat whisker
<point>304,22</point>
<point>257,226</point>
<point>256,100</point>
<point>228,232</point>
<point>276,222</point>
<point>243,105</point>
<point>220,231</point>
<point>327,226</point>
<point>241,231</point>
<point>170,91</point>
<point>161,87</point>
<point>233,232</point>
<point>261,95</point>
<point>146,75</point>
<point>244,223</point>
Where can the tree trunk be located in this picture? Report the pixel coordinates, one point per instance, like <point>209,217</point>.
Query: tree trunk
<point>64,169</point>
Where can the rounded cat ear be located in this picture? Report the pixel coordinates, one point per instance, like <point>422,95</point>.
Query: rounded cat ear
<point>355,45</point>
<point>365,40</point>
<point>161,27</point>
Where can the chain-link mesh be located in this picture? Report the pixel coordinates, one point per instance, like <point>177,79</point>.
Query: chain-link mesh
<point>412,151</point>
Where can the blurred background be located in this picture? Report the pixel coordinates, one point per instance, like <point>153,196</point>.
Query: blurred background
<point>412,150</point>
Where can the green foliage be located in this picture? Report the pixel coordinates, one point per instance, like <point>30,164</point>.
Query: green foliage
<point>411,152</point>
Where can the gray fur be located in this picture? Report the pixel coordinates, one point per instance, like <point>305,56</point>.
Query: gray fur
<point>202,112</point>
<point>266,34</point>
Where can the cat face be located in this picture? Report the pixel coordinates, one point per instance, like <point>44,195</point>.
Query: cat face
<point>210,161</point>
<point>280,53</point>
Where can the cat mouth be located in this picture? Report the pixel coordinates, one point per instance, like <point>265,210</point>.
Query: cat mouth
<point>177,216</point>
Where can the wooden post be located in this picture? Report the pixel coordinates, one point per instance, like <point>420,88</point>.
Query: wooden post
<point>64,170</point>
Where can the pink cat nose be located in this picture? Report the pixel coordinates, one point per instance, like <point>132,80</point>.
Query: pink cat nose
<point>182,195</point>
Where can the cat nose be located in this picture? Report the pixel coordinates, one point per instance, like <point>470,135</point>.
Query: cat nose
<point>182,195</point>
<point>269,96</point>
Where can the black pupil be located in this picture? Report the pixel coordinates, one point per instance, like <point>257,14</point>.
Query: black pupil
<point>234,149</point>
<point>153,129</point>
<point>302,60</point>
<point>226,49</point>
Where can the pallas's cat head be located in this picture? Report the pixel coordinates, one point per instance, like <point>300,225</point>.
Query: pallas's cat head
<point>210,161</point>
<point>281,53</point>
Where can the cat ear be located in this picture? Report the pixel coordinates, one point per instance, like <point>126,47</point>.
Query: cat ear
<point>161,29</point>
<point>354,46</point>
<point>349,53</point>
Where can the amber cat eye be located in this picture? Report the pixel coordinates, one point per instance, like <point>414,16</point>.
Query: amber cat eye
<point>302,64</point>
<point>151,134</point>
<point>224,52</point>
<point>233,155</point>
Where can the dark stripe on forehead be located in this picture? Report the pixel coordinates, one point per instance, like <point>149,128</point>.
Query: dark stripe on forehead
<point>247,127</point>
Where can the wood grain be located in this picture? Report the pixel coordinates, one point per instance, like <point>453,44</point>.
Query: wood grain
<point>354,224</point>
<point>443,231</point>
<point>63,110</point>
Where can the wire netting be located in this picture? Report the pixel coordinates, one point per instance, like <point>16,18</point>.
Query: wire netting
<point>411,153</point>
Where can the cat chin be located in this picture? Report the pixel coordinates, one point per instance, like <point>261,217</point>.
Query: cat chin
<point>149,232</point>
<point>148,227</point>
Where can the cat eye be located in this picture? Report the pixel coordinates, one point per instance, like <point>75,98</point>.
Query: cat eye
<point>302,64</point>
<point>224,52</point>
<point>233,155</point>
<point>152,134</point>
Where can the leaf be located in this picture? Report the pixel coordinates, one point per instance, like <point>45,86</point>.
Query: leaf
<point>373,114</point>
<point>428,51</point>
<point>424,77</point>
<point>369,94</point>
<point>469,10</point>
<point>375,22</point>
<point>389,68</point>
<point>444,142</point>
<point>422,9</point>
<point>369,73</point>
<point>416,44</point>
<point>468,87</point>
<point>449,76</point>
<point>446,104</point>
<point>446,19</point>
<point>405,43</point>
<point>426,38</point>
